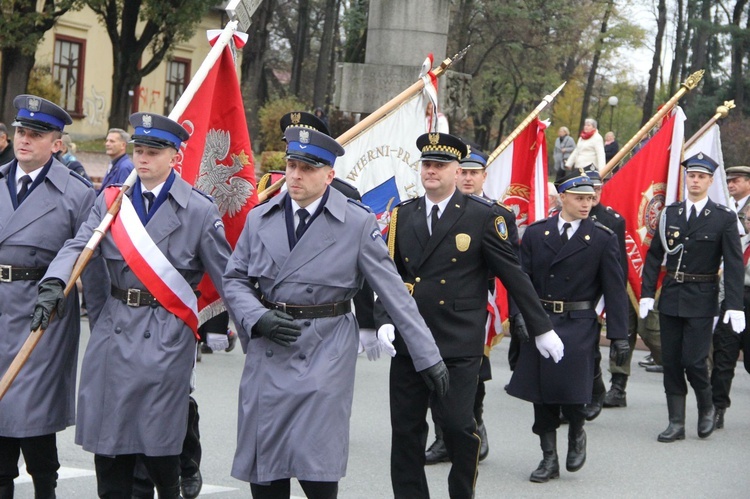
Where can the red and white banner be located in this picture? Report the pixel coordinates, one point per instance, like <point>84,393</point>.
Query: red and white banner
<point>647,183</point>
<point>218,159</point>
<point>150,265</point>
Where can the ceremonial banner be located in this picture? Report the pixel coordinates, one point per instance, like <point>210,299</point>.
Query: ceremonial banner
<point>217,159</point>
<point>518,177</point>
<point>642,188</point>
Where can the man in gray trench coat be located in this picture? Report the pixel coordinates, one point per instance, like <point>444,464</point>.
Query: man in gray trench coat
<point>133,396</point>
<point>42,204</point>
<point>300,259</point>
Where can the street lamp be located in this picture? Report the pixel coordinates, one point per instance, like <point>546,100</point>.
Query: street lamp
<point>612,101</point>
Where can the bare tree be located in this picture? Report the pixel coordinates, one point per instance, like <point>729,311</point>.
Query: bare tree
<point>653,74</point>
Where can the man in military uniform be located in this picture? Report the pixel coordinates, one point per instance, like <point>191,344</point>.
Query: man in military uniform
<point>446,245</point>
<point>42,204</point>
<point>573,260</point>
<point>301,258</point>
<point>697,235</point>
<point>135,378</point>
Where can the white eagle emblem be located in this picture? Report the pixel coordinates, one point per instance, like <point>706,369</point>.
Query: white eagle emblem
<point>146,121</point>
<point>304,136</point>
<point>219,181</point>
<point>33,104</point>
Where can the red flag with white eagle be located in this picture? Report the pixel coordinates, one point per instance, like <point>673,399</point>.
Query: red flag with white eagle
<point>518,177</point>
<point>217,159</point>
<point>639,191</point>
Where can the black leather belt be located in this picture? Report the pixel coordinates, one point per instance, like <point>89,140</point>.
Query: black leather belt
<point>135,297</point>
<point>559,307</point>
<point>9,273</point>
<point>311,311</point>
<point>683,277</point>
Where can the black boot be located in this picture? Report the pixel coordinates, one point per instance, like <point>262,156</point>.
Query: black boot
<point>437,452</point>
<point>44,485</point>
<point>484,447</point>
<point>720,417</point>
<point>576,447</point>
<point>676,428</point>
<point>706,413</point>
<point>549,467</point>
<point>597,399</point>
<point>191,485</point>
<point>616,395</point>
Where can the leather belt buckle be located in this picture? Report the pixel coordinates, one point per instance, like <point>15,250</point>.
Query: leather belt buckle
<point>133,298</point>
<point>679,276</point>
<point>558,307</point>
<point>6,274</point>
<point>281,306</point>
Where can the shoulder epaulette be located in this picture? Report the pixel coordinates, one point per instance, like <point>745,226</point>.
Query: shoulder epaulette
<point>357,203</point>
<point>76,176</point>
<point>482,200</point>
<point>676,203</point>
<point>613,212</point>
<point>602,226</point>
<point>537,222</point>
<point>722,207</point>
<point>407,201</point>
<point>210,198</point>
<point>500,203</point>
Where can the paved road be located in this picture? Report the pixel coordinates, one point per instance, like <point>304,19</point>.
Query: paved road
<point>624,458</point>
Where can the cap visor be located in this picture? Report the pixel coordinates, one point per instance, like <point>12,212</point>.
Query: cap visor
<point>437,157</point>
<point>307,159</point>
<point>38,126</point>
<point>699,169</point>
<point>149,142</point>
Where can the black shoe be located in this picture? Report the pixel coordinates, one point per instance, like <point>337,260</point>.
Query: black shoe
<point>616,396</point>
<point>647,361</point>
<point>576,449</point>
<point>720,418</point>
<point>484,447</point>
<point>656,368</point>
<point>549,467</point>
<point>206,349</point>
<point>706,413</point>
<point>436,453</point>
<point>191,485</point>
<point>232,338</point>
<point>676,428</point>
<point>595,407</point>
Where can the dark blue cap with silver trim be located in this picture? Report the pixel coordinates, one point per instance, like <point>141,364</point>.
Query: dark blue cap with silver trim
<point>577,182</point>
<point>311,146</point>
<point>40,114</point>
<point>700,163</point>
<point>154,130</point>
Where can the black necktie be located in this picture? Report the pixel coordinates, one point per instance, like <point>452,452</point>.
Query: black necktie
<point>302,214</point>
<point>434,218</point>
<point>149,197</point>
<point>25,181</point>
<point>693,216</point>
<point>564,234</point>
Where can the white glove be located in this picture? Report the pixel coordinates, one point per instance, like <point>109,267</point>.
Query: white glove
<point>738,320</point>
<point>550,345</point>
<point>645,306</point>
<point>386,335</point>
<point>368,342</point>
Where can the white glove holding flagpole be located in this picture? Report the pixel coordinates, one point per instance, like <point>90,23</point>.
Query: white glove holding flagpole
<point>549,345</point>
<point>645,306</point>
<point>738,320</point>
<point>386,335</point>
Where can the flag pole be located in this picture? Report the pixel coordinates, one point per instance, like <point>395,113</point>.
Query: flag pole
<point>83,259</point>
<point>721,113</point>
<point>690,83</point>
<point>520,128</point>
<point>397,101</point>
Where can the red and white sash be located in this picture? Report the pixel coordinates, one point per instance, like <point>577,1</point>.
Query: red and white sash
<point>150,265</point>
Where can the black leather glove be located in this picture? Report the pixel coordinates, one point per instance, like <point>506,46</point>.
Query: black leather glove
<point>518,328</point>
<point>51,298</point>
<point>618,351</point>
<point>436,378</point>
<point>278,327</point>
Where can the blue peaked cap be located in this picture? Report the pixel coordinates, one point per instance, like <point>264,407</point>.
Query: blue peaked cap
<point>311,146</point>
<point>40,114</point>
<point>160,132</point>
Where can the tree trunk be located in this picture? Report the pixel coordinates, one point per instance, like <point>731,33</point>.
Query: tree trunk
<point>15,69</point>
<point>323,70</point>
<point>252,70</point>
<point>679,54</point>
<point>653,74</point>
<point>303,12</point>
<point>595,64</point>
<point>738,56</point>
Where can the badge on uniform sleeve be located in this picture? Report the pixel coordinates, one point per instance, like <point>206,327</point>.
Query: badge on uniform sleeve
<point>463,241</point>
<point>501,227</point>
<point>376,234</point>
<point>218,224</point>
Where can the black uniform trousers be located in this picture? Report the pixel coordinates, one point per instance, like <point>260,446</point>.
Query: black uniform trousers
<point>547,416</point>
<point>114,475</point>
<point>685,343</point>
<point>727,347</point>
<point>281,489</point>
<point>409,397</point>
<point>39,453</point>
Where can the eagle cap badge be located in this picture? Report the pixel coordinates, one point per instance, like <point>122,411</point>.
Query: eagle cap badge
<point>147,121</point>
<point>33,104</point>
<point>434,138</point>
<point>296,117</point>
<point>304,136</point>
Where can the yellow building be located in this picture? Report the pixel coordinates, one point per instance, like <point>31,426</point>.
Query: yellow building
<point>79,53</point>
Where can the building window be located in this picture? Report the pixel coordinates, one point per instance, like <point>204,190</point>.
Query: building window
<point>178,76</point>
<point>67,70</point>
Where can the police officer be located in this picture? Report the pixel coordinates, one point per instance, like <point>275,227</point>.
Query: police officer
<point>445,245</point>
<point>42,204</point>
<point>573,261</point>
<point>696,234</point>
<point>133,395</point>
<point>300,259</point>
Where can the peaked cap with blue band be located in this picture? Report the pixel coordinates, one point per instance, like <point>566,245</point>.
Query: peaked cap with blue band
<point>594,175</point>
<point>700,163</point>
<point>159,132</point>
<point>303,120</point>
<point>40,114</point>
<point>576,182</point>
<point>311,146</point>
<point>475,160</point>
<point>441,147</point>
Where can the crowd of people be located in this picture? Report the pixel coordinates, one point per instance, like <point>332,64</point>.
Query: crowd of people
<point>294,315</point>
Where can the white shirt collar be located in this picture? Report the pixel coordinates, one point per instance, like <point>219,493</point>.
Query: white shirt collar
<point>736,205</point>
<point>311,208</point>
<point>573,225</point>
<point>20,173</point>
<point>441,205</point>
<point>155,191</point>
<point>698,206</point>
